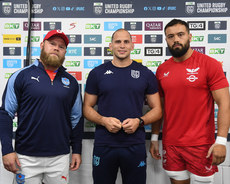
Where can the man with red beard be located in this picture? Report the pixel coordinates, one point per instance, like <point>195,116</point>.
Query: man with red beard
<point>48,104</point>
<point>189,83</point>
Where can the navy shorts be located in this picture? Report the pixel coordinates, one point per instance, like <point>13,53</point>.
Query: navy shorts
<point>131,161</point>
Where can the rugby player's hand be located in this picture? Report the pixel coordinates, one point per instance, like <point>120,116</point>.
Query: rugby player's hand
<point>11,162</point>
<point>218,152</point>
<point>130,125</point>
<point>113,125</point>
<point>75,162</point>
<point>154,150</point>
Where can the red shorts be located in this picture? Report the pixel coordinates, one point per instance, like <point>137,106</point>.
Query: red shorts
<point>190,158</point>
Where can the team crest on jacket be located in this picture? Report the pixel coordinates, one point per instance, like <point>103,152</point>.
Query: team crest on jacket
<point>20,178</point>
<point>65,81</point>
<point>135,74</point>
<point>192,74</point>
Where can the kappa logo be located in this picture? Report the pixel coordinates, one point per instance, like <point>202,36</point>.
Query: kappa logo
<point>34,78</point>
<point>142,164</point>
<point>108,72</point>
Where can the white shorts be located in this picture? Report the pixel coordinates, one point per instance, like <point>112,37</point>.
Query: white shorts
<point>50,170</point>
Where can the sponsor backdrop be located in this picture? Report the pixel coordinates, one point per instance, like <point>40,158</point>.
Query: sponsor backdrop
<point>89,26</point>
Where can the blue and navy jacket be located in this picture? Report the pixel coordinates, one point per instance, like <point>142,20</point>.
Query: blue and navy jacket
<point>49,113</point>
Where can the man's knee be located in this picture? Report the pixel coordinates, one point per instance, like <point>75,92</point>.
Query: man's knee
<point>202,179</point>
<point>178,175</point>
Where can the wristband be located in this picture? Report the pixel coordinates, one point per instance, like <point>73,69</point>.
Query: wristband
<point>221,140</point>
<point>154,137</point>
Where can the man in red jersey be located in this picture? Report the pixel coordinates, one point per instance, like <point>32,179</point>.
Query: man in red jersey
<point>189,83</point>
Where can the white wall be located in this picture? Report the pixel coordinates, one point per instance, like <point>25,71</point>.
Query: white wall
<point>155,174</point>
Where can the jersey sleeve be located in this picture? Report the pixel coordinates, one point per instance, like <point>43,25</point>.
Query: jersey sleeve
<point>152,83</point>
<point>158,79</point>
<point>77,122</point>
<point>91,83</point>
<point>215,76</point>
<point>7,113</point>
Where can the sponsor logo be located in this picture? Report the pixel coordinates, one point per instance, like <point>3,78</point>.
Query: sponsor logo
<point>92,51</point>
<point>199,49</point>
<point>136,51</point>
<point>72,25</point>
<point>91,63</point>
<point>7,8</point>
<point>197,38</point>
<point>196,25</point>
<point>217,51</point>
<point>166,74</point>
<point>11,38</point>
<point>217,38</point>
<point>72,63</point>
<point>153,63</point>
<point>142,164</point>
<point>35,51</point>
<point>112,26</point>
<point>11,51</point>
<point>153,26</point>
<point>98,8</point>
<point>74,38</point>
<point>136,39</point>
<point>215,8</point>
<point>76,75</point>
<point>35,26</point>
<point>20,178</point>
<point>35,78</point>
<point>217,25</point>
<point>7,75</point>
<point>96,160</point>
<point>93,26</point>
<point>33,38</point>
<point>52,25</point>
<point>108,72</point>
<point>192,78</point>
<point>153,38</point>
<point>108,38</point>
<point>153,51</point>
<point>12,63</point>
<point>92,39</point>
<point>119,9</point>
<point>135,74</point>
<point>190,7</point>
<point>23,9</point>
<point>11,26</point>
<point>107,52</point>
<point>65,178</point>
<point>192,73</point>
<point>74,51</point>
<point>133,26</point>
